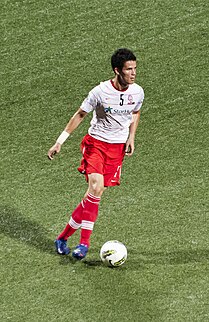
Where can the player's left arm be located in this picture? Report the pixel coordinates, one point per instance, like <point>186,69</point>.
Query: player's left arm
<point>132,131</point>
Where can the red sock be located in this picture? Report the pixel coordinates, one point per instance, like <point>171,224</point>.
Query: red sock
<point>90,214</point>
<point>74,223</point>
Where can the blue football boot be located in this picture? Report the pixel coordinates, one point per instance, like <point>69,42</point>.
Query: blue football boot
<point>80,251</point>
<point>61,247</point>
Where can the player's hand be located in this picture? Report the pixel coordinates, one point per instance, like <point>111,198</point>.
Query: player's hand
<point>129,150</point>
<point>54,150</point>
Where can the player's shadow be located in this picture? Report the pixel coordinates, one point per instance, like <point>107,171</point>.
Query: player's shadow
<point>14,225</point>
<point>92,263</point>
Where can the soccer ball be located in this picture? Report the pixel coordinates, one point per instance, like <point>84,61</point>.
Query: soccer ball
<point>113,253</point>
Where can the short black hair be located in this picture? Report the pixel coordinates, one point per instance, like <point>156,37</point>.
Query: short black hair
<point>120,56</point>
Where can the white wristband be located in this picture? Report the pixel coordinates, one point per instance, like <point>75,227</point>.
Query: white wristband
<point>63,137</point>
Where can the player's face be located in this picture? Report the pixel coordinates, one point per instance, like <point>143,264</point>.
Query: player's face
<point>128,73</point>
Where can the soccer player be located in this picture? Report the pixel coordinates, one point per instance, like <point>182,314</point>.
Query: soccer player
<point>115,104</point>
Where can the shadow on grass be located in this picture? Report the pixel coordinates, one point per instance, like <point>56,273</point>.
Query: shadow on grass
<point>93,262</point>
<point>66,260</point>
<point>16,226</point>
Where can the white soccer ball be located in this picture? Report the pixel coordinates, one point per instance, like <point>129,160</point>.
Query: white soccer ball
<point>113,253</point>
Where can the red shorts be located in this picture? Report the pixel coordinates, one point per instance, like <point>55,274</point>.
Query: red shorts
<point>102,157</point>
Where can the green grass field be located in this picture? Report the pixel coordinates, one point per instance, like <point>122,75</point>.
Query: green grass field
<point>52,53</point>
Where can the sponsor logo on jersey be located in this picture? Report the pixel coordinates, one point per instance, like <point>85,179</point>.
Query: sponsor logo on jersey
<point>112,110</point>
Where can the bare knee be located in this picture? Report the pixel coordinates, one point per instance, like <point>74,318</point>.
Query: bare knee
<point>96,184</point>
<point>96,189</point>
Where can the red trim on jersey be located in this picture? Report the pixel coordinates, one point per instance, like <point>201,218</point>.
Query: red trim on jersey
<point>119,90</point>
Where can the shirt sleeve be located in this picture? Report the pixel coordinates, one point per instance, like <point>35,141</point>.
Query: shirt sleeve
<point>140,101</point>
<point>90,102</point>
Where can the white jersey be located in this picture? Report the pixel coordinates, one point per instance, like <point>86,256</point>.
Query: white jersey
<point>112,110</point>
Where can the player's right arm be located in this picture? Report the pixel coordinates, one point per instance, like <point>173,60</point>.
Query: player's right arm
<point>73,123</point>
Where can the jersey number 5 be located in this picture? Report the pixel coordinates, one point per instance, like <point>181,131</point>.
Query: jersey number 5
<point>121,99</point>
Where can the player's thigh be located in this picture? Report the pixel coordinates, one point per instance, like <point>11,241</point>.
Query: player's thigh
<point>92,158</point>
